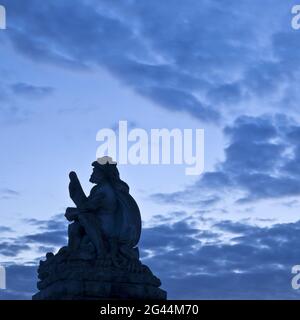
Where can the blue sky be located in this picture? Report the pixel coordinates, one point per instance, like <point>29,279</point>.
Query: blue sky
<point>68,69</point>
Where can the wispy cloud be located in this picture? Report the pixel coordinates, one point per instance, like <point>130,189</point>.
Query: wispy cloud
<point>31,91</point>
<point>178,55</point>
<point>6,193</point>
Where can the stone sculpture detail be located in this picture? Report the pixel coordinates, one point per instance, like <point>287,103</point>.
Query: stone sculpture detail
<point>101,260</point>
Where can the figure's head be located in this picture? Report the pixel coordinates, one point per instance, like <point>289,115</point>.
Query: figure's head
<point>104,169</point>
<point>97,176</point>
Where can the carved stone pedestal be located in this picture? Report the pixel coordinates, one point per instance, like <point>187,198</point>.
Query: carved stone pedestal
<point>80,276</point>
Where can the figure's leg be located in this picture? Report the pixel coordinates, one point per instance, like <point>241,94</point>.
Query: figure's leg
<point>75,235</point>
<point>93,229</point>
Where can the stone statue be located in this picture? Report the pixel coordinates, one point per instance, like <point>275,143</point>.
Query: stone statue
<point>109,217</point>
<point>101,260</point>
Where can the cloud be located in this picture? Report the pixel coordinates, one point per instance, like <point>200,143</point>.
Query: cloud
<point>11,111</point>
<point>5,229</point>
<point>56,223</point>
<point>255,264</point>
<point>251,262</point>
<point>179,100</point>
<point>165,235</point>
<point>6,193</point>
<point>9,249</point>
<point>261,162</point>
<point>21,282</point>
<point>31,91</point>
<point>51,232</point>
<point>178,55</point>
<point>48,235</point>
<point>22,279</point>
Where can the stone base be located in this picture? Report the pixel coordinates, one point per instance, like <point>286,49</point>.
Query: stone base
<point>82,277</point>
<point>92,290</point>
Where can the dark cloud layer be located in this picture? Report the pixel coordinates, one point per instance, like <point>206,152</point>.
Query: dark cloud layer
<point>261,161</point>
<point>49,234</point>
<point>254,263</point>
<point>21,279</point>
<point>10,249</point>
<point>202,58</point>
<point>48,237</point>
<point>20,283</point>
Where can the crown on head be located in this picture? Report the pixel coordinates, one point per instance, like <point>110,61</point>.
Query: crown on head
<point>104,162</point>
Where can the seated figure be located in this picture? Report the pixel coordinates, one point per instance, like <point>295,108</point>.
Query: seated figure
<point>108,219</point>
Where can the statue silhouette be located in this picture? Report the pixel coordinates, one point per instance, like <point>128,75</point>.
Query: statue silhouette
<point>101,260</point>
<point>109,217</point>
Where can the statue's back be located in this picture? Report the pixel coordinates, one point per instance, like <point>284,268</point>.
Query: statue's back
<point>128,219</point>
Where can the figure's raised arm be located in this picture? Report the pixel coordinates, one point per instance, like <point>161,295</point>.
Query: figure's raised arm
<point>76,192</point>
